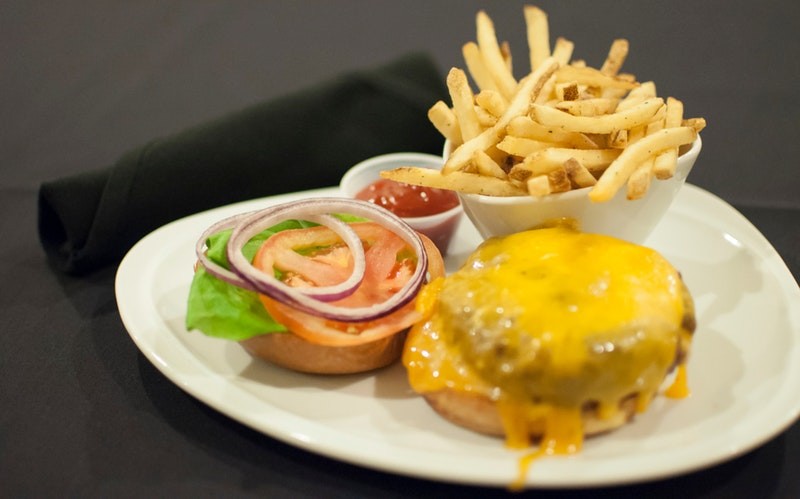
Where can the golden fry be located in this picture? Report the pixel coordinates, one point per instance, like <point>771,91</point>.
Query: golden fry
<point>667,161</point>
<point>588,107</point>
<point>593,78</point>
<point>639,181</point>
<point>493,56</point>
<point>470,183</point>
<point>518,146</point>
<point>674,113</point>
<point>638,115</point>
<point>492,102</point>
<point>463,104</point>
<point>445,121</point>
<point>562,52</point>
<point>697,123</point>
<point>477,68</point>
<point>616,57</point>
<point>620,170</point>
<point>485,165</point>
<point>578,174</point>
<point>538,186</point>
<point>525,127</point>
<point>665,164</point>
<point>538,35</point>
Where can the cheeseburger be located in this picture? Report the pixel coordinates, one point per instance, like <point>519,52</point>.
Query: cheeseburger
<point>550,335</point>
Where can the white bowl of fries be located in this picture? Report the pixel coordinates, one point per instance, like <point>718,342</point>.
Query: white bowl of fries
<point>439,227</point>
<point>632,220</point>
<point>565,141</point>
<point>591,145</point>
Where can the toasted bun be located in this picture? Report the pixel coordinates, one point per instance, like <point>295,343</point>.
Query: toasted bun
<point>293,352</point>
<point>479,413</point>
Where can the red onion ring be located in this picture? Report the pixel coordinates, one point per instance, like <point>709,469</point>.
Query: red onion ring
<point>313,300</point>
<point>211,267</point>
<point>324,293</point>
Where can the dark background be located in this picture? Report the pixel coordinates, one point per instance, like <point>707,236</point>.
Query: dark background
<point>84,81</point>
<point>82,413</point>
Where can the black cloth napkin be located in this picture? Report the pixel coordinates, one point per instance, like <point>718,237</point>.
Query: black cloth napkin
<point>301,141</point>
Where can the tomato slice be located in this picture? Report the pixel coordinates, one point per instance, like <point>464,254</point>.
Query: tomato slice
<point>317,257</point>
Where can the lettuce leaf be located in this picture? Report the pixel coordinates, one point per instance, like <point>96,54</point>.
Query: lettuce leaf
<point>225,311</point>
<point>218,309</point>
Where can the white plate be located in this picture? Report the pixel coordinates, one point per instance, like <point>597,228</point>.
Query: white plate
<point>744,368</point>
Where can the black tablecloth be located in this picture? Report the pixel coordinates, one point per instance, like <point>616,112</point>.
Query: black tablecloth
<point>84,414</point>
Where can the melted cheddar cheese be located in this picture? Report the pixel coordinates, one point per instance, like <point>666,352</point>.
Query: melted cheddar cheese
<point>548,324</point>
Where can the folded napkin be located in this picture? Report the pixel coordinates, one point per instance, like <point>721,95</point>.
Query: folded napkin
<point>301,141</point>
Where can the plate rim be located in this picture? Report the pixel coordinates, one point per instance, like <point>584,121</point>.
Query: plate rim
<point>134,324</point>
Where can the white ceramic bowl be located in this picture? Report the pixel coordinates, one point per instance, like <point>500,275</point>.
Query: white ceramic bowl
<point>618,217</point>
<point>440,227</point>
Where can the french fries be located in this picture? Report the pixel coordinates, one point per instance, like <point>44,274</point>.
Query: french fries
<point>529,87</point>
<point>564,125</point>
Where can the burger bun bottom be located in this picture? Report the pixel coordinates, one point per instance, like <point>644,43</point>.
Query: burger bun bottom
<point>479,413</point>
<point>293,352</point>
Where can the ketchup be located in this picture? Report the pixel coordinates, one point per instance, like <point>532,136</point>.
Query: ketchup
<point>406,200</point>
